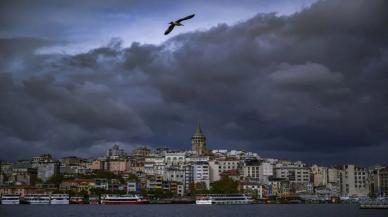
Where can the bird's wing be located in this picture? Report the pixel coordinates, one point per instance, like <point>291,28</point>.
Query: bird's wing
<point>169,29</point>
<point>185,18</point>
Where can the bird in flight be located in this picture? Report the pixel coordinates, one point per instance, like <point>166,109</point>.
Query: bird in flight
<point>177,23</point>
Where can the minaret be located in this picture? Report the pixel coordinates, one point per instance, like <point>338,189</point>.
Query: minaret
<point>198,141</point>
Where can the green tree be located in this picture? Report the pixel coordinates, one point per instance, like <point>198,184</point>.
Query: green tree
<point>98,191</point>
<point>103,175</point>
<point>71,193</point>
<point>200,188</point>
<point>133,177</point>
<point>225,186</point>
<point>56,179</point>
<point>84,194</point>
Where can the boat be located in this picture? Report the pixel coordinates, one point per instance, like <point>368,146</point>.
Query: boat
<point>8,199</point>
<point>224,199</point>
<point>77,200</point>
<point>377,203</point>
<point>37,199</point>
<point>59,199</point>
<point>94,200</point>
<point>203,200</point>
<point>108,199</point>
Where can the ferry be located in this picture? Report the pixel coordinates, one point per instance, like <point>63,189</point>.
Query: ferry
<point>7,199</point>
<point>77,200</point>
<point>224,199</point>
<point>122,199</point>
<point>34,199</point>
<point>377,203</point>
<point>59,199</point>
<point>94,200</point>
<point>203,200</point>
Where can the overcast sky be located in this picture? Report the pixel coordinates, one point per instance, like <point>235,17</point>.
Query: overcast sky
<point>291,79</point>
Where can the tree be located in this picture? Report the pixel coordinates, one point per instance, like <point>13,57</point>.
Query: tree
<point>133,177</point>
<point>200,188</point>
<point>98,191</point>
<point>71,193</point>
<point>225,186</point>
<point>160,193</point>
<point>103,175</point>
<point>56,179</point>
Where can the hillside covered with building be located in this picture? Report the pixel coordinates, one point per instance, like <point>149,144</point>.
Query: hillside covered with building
<point>162,173</point>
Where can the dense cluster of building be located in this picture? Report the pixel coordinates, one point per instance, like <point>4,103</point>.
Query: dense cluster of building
<point>184,173</point>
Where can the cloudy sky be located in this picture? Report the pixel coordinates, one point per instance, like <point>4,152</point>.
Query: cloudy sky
<point>291,79</point>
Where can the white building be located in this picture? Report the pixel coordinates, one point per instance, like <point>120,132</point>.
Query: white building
<point>115,153</point>
<point>177,158</point>
<point>319,175</point>
<point>174,173</point>
<point>295,172</point>
<point>194,159</point>
<point>253,188</point>
<point>265,171</point>
<point>201,173</point>
<point>47,170</point>
<point>132,187</point>
<point>180,190</point>
<point>217,167</point>
<point>154,166</point>
<point>251,170</point>
<point>188,177</point>
<point>354,181</point>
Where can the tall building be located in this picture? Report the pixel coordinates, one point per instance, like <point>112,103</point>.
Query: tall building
<point>201,173</point>
<point>198,141</point>
<point>47,170</point>
<point>319,175</point>
<point>295,172</point>
<point>354,181</point>
<point>115,153</point>
<point>379,181</point>
<point>217,167</point>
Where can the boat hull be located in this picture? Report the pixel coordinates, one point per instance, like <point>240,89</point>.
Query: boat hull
<point>203,202</point>
<point>36,202</point>
<point>10,202</point>
<point>123,202</point>
<point>59,202</point>
<point>224,199</point>
<point>77,201</point>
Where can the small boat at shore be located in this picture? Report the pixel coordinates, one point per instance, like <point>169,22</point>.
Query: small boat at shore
<point>224,199</point>
<point>94,200</point>
<point>77,200</point>
<point>10,199</point>
<point>59,199</point>
<point>37,199</point>
<point>109,199</point>
<point>377,203</point>
<point>203,200</point>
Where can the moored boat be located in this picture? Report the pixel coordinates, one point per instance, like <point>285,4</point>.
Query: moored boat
<point>77,200</point>
<point>59,199</point>
<point>94,200</point>
<point>377,203</point>
<point>108,199</point>
<point>224,199</point>
<point>203,200</point>
<point>9,199</point>
<point>34,199</point>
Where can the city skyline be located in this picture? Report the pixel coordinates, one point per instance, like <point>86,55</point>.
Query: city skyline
<point>299,80</point>
<point>198,147</point>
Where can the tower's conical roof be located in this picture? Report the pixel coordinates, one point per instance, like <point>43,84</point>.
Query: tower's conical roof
<point>198,131</point>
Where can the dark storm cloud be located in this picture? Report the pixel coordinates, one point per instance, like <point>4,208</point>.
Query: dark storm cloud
<point>309,84</point>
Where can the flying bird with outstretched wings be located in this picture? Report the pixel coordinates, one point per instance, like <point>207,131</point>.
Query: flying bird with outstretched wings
<point>177,23</point>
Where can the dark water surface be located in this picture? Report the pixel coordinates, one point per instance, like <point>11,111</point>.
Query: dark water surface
<point>189,210</point>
